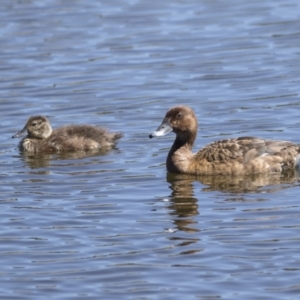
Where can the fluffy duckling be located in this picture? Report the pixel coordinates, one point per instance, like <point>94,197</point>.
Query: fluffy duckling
<point>42,138</point>
<point>235,156</point>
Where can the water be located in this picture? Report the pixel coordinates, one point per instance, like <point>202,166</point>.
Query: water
<point>116,225</point>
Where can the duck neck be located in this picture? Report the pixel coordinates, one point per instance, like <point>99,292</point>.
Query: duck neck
<point>184,141</point>
<point>181,153</point>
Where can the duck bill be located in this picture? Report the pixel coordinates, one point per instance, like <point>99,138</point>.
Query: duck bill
<point>162,130</point>
<point>20,133</point>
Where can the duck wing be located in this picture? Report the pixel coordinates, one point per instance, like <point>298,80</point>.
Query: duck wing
<point>242,149</point>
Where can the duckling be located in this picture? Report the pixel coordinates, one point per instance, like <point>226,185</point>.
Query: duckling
<point>234,156</point>
<point>42,138</point>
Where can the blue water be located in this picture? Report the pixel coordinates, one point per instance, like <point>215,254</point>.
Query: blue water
<point>116,225</point>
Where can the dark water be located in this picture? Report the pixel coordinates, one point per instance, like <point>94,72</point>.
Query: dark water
<point>115,225</point>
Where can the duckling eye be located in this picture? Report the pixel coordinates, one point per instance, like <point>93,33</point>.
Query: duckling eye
<point>33,124</point>
<point>179,115</point>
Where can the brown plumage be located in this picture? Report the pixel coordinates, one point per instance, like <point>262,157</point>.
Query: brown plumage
<point>41,138</point>
<point>235,156</point>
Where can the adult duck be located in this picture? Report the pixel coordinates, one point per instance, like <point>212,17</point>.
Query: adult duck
<point>234,156</point>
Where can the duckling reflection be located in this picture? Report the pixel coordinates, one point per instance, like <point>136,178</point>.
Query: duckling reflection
<point>36,161</point>
<point>41,160</point>
<point>41,138</point>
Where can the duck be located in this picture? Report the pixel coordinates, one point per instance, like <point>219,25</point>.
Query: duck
<point>233,156</point>
<point>41,138</point>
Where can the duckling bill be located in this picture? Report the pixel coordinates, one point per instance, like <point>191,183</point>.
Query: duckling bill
<point>42,138</point>
<point>234,156</point>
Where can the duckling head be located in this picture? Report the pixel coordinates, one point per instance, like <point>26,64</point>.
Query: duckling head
<point>37,127</point>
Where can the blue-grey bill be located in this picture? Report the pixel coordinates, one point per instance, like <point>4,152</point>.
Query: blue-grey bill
<point>20,133</point>
<point>162,130</point>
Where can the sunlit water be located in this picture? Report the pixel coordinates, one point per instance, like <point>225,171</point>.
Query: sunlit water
<point>115,225</point>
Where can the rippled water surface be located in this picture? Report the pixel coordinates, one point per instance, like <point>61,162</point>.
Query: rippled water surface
<point>116,225</point>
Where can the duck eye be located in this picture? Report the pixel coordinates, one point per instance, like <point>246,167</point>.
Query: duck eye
<point>179,115</point>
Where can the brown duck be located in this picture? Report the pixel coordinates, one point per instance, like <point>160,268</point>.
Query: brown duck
<point>42,138</point>
<point>234,156</point>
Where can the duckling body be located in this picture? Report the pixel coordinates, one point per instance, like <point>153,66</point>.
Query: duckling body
<point>42,138</point>
<point>235,156</point>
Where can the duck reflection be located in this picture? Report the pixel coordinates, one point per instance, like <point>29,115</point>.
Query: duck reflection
<point>180,183</point>
<point>258,183</point>
<point>184,203</point>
